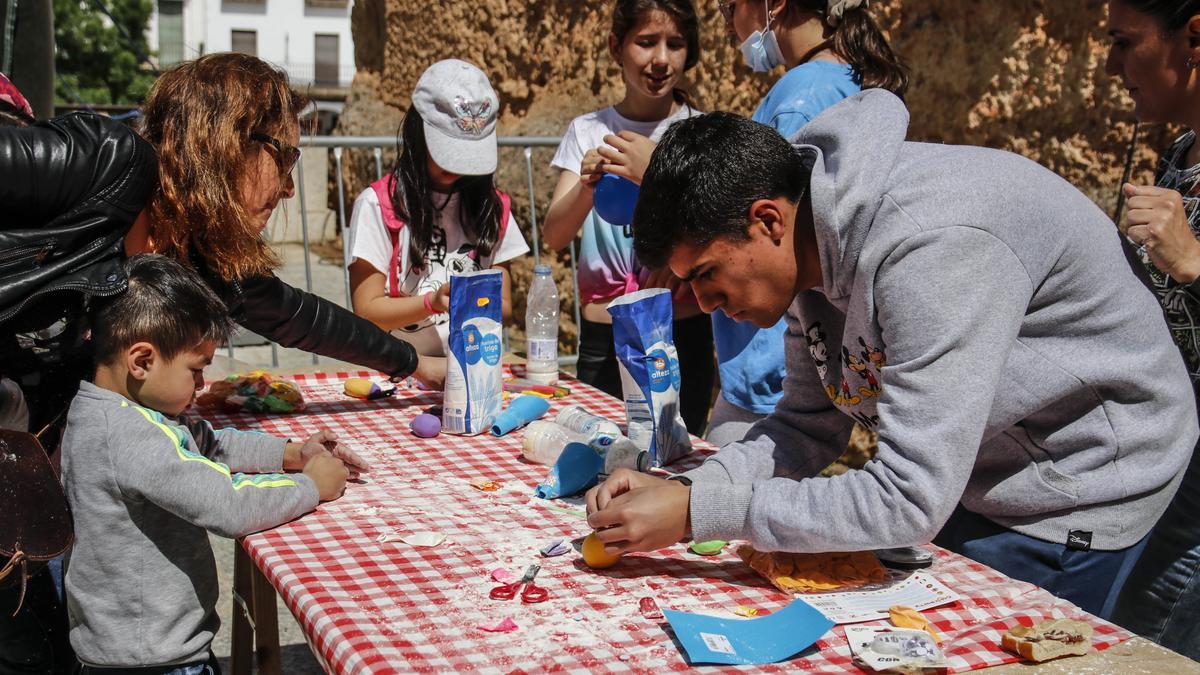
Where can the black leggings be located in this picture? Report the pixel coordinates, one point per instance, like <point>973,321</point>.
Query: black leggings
<point>697,365</point>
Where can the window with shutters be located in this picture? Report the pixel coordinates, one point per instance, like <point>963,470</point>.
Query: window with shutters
<point>244,41</point>
<point>326,70</point>
<point>170,32</point>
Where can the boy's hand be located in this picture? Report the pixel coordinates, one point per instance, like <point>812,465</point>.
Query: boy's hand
<point>644,518</point>
<point>329,474</point>
<point>323,441</point>
<point>629,155</point>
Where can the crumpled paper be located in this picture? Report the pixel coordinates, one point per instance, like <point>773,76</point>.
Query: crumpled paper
<point>418,539</point>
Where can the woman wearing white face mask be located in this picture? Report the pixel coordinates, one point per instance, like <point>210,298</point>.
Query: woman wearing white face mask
<point>832,49</point>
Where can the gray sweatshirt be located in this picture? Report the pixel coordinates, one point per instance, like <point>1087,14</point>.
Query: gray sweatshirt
<point>978,313</point>
<point>145,490</point>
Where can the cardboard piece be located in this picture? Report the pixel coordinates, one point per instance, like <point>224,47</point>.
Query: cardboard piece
<point>770,639</point>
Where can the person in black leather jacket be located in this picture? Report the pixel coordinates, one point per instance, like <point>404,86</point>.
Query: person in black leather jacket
<point>79,193</point>
<point>76,192</point>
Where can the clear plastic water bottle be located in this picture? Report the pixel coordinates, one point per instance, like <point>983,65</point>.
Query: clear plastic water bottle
<point>541,328</point>
<point>605,437</point>
<point>544,441</point>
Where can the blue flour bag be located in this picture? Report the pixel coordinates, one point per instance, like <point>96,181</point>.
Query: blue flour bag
<point>649,366</point>
<point>474,375</point>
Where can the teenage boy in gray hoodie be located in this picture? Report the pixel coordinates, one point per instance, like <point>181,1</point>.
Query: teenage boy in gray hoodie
<point>146,486</point>
<point>967,304</point>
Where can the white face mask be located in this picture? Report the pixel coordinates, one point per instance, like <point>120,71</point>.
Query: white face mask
<point>761,50</point>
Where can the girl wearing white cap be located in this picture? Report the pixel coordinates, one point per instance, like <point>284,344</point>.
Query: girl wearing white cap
<point>437,214</point>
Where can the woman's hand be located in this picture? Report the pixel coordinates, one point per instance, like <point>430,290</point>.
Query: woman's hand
<point>1156,221</point>
<point>629,155</point>
<point>431,372</point>
<point>592,168</point>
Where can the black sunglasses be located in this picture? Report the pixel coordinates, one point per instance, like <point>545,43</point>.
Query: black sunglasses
<point>286,155</point>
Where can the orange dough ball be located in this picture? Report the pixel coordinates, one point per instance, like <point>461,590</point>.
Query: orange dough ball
<point>594,555</point>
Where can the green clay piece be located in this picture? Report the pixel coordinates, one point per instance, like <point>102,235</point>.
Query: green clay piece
<point>708,547</point>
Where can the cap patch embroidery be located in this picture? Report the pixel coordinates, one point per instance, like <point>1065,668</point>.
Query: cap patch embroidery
<point>472,117</point>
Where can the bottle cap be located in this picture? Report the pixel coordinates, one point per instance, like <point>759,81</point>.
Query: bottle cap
<point>541,269</point>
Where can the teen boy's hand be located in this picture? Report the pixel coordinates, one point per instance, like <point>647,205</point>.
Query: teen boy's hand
<point>329,474</point>
<point>632,511</point>
<point>296,455</point>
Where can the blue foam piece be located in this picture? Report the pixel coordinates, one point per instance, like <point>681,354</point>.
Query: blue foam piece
<point>521,411</point>
<point>577,469</point>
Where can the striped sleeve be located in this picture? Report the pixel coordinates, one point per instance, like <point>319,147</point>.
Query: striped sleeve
<point>160,462</point>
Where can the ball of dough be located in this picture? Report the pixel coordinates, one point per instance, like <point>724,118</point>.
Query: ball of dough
<point>426,425</point>
<point>594,555</point>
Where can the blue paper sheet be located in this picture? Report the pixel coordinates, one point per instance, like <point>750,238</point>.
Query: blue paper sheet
<point>770,639</point>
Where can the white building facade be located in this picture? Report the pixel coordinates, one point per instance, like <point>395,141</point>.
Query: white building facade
<point>310,39</point>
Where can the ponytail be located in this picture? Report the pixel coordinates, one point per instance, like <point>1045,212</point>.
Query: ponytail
<point>858,40</point>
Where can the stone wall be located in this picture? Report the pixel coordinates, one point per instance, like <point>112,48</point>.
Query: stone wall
<point>1022,75</point>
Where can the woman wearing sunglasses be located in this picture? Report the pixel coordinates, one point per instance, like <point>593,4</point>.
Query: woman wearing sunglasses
<point>226,128</point>
<point>83,191</point>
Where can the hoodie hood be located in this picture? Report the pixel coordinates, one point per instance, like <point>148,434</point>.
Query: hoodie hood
<point>853,148</point>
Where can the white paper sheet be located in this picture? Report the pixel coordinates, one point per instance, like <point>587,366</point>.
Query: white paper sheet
<point>919,591</point>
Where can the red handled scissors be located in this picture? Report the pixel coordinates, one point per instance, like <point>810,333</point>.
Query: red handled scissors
<point>531,593</point>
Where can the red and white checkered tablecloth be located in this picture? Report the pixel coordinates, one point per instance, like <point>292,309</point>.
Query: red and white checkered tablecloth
<point>368,607</point>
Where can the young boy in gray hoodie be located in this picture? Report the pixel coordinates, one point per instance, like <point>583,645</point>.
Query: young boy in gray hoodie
<point>146,486</point>
<point>967,304</point>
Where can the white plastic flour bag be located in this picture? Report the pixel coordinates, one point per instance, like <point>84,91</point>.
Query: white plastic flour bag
<point>474,375</point>
<point>649,365</point>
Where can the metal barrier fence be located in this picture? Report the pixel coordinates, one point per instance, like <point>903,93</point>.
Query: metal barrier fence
<point>337,145</point>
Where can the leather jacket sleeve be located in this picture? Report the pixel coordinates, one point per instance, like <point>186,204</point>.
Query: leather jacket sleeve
<point>296,319</point>
<point>68,170</point>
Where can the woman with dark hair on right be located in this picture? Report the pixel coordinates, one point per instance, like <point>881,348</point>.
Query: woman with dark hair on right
<point>1156,53</point>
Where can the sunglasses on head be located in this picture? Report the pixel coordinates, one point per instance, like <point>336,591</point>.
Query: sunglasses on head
<point>285,155</point>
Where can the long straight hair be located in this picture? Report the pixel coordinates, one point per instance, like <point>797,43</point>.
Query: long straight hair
<point>627,14</point>
<point>859,40</point>
<point>479,208</point>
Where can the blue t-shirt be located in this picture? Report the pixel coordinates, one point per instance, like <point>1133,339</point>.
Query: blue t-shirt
<point>751,358</point>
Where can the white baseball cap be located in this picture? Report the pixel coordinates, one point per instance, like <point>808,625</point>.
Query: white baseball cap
<point>459,107</point>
